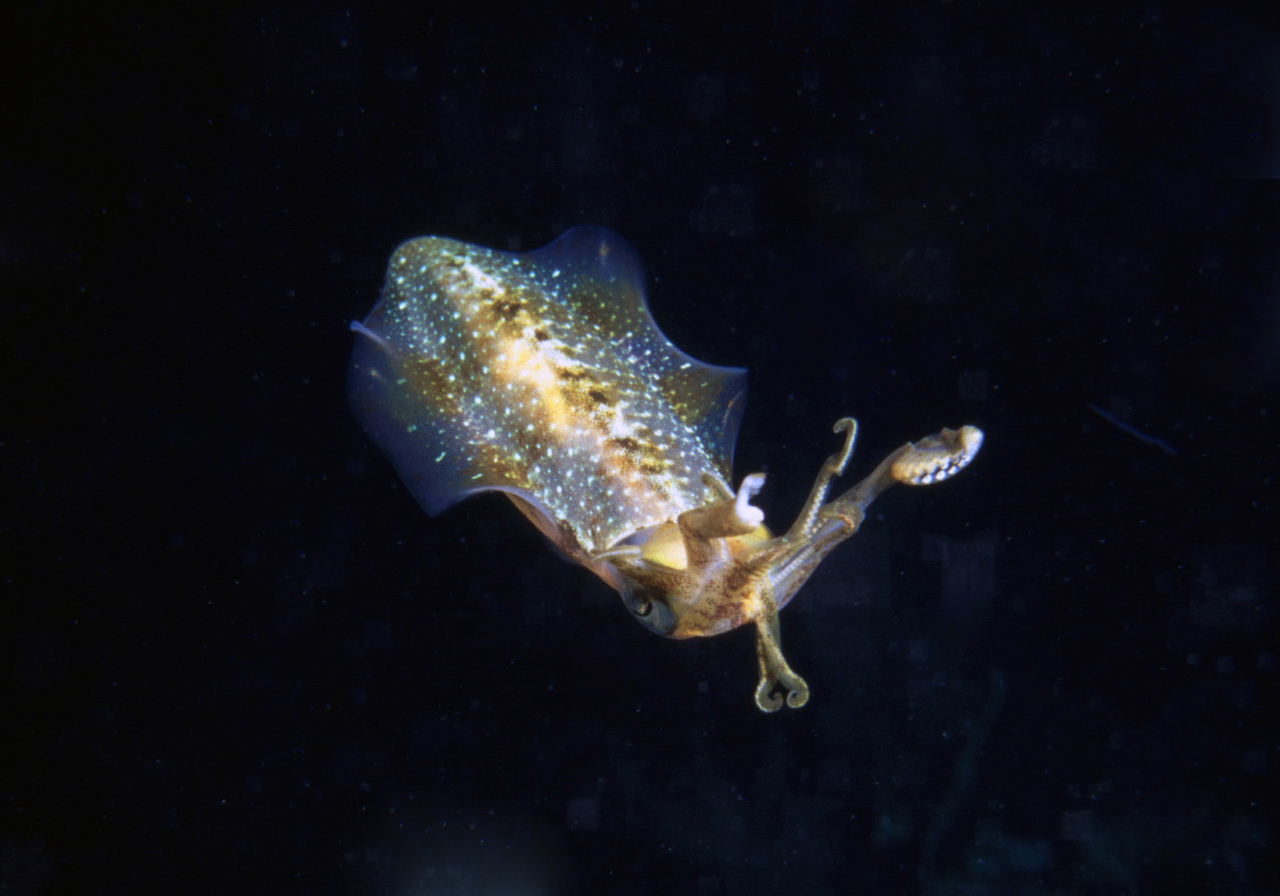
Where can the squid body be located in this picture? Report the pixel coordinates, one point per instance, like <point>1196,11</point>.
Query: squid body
<point>542,375</point>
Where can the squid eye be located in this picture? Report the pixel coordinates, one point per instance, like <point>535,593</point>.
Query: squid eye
<point>649,609</point>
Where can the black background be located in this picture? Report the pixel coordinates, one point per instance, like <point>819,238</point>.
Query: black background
<point>241,659</point>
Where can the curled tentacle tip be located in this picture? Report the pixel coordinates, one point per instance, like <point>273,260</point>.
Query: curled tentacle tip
<point>766,699</point>
<point>844,424</point>
<point>742,508</point>
<point>797,689</point>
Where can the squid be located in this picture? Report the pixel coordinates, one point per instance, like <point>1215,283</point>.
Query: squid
<point>542,375</point>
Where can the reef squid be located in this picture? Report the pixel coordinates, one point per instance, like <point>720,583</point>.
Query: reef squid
<point>542,375</point>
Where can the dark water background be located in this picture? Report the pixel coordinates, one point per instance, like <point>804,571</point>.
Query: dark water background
<point>240,659</point>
